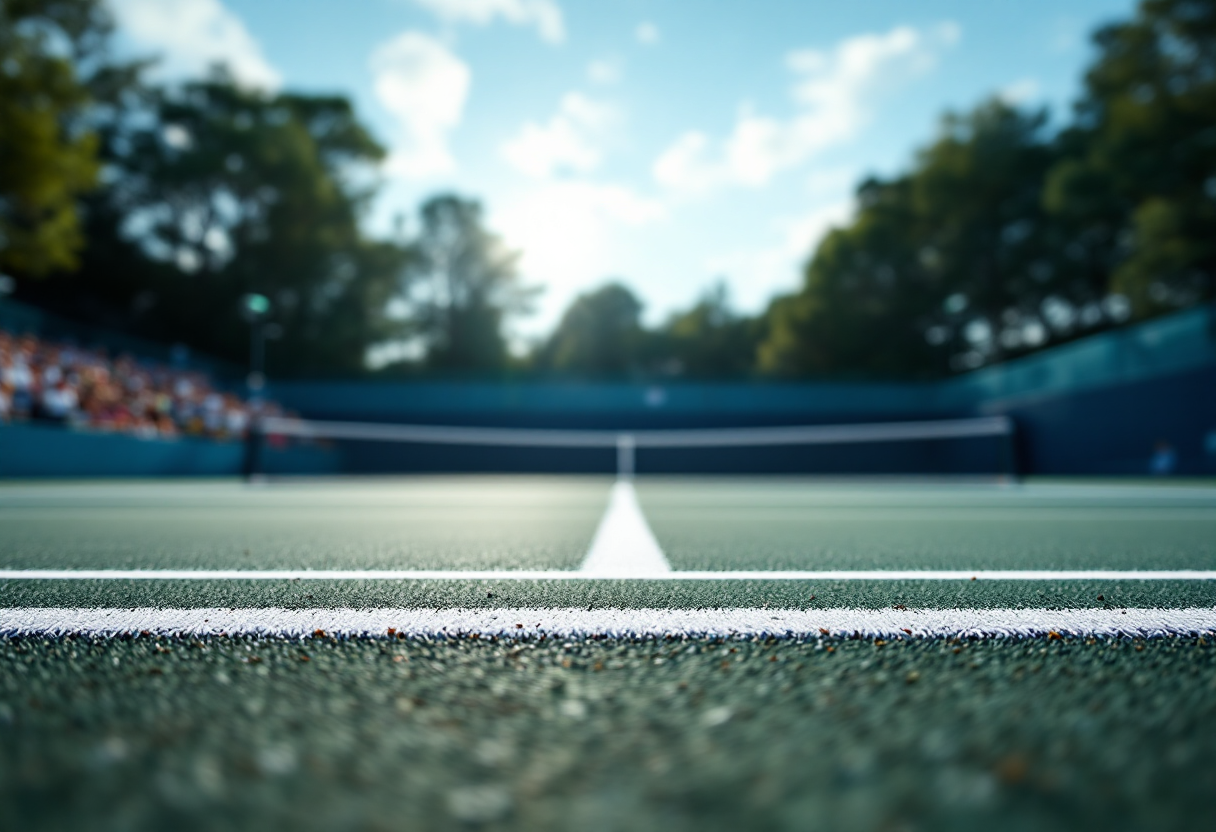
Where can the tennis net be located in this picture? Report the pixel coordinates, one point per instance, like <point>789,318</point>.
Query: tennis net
<point>982,445</point>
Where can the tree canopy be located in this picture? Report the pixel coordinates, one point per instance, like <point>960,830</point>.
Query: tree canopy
<point>48,156</point>
<point>220,191</point>
<point>600,335</point>
<point>153,208</point>
<point>945,266</point>
<point>460,284</point>
<point>1138,169</point>
<point>1003,237</point>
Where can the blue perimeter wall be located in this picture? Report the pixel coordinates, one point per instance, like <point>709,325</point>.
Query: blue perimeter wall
<point>1097,405</point>
<point>1094,406</point>
<point>31,450</point>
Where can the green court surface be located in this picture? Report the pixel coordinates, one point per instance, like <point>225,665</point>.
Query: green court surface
<point>767,525</point>
<point>434,523</point>
<point>547,523</point>
<point>153,727</point>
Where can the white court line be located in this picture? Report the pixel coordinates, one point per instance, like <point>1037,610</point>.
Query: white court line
<point>624,546</point>
<point>560,575</point>
<point>572,622</point>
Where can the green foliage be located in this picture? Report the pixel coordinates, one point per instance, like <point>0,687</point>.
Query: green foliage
<point>251,193</point>
<point>856,307</point>
<point>1140,174</point>
<point>221,191</point>
<point>1000,238</point>
<point>709,340</point>
<point>949,262</point>
<point>461,285</point>
<point>47,157</point>
<point>599,336</point>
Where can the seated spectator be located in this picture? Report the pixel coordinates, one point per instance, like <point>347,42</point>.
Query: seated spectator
<point>236,416</point>
<point>63,384</point>
<point>15,373</point>
<point>58,401</point>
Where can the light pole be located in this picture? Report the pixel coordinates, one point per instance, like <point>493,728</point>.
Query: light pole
<point>255,309</point>
<point>7,285</point>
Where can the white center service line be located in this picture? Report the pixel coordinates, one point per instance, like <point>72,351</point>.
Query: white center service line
<point>624,546</point>
<point>579,622</point>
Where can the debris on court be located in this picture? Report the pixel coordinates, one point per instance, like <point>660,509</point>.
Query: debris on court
<point>459,732</point>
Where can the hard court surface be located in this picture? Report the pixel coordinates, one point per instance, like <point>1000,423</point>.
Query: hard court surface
<point>535,652</point>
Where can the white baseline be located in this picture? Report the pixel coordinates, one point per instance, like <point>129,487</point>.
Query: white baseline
<point>580,622</point>
<point>606,574</point>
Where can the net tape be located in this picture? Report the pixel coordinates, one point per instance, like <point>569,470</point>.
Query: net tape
<point>685,438</point>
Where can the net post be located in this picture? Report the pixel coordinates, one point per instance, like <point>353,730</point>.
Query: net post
<point>1009,451</point>
<point>251,463</point>
<point>624,456</point>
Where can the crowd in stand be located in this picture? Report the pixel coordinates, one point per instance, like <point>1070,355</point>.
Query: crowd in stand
<point>64,384</point>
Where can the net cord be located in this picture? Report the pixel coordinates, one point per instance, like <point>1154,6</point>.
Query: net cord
<point>626,443</point>
<point>693,438</point>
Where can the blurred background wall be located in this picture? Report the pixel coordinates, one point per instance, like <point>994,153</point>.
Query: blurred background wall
<point>1100,405</point>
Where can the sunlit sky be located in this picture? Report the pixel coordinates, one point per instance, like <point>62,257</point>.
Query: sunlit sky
<point>666,143</point>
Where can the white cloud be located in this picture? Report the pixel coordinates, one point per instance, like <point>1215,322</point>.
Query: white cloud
<point>834,93</point>
<point>757,274</point>
<point>832,181</point>
<point>604,71</point>
<point>570,141</point>
<point>424,87</point>
<point>545,15</point>
<point>193,35</point>
<point>646,33</point>
<point>568,235</point>
<point>1021,91</point>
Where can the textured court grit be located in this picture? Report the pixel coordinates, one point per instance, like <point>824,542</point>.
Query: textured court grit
<point>611,594</point>
<point>671,734</point>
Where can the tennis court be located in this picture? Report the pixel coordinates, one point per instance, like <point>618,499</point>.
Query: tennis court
<point>554,540</point>
<point>526,651</point>
<point>511,415</point>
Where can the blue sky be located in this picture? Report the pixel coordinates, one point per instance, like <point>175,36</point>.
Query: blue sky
<point>666,143</point>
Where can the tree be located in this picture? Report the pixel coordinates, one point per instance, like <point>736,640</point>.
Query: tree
<point>462,286</point>
<point>983,234</point>
<point>48,157</point>
<point>865,297</point>
<point>599,336</point>
<point>709,340</point>
<point>947,266</point>
<point>1138,181</point>
<point>217,191</point>
<point>1002,239</point>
